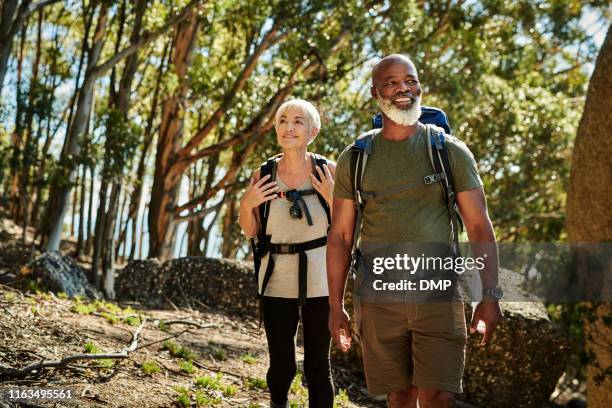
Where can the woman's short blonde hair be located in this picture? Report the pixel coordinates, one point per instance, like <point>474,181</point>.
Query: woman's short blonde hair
<point>311,114</point>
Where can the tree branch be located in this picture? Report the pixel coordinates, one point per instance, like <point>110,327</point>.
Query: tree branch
<point>249,64</point>
<point>143,41</point>
<point>63,363</point>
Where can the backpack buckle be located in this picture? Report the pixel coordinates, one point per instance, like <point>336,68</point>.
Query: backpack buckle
<point>434,178</point>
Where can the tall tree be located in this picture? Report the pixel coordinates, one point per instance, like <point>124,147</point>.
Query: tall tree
<point>13,16</point>
<point>64,177</point>
<point>589,219</point>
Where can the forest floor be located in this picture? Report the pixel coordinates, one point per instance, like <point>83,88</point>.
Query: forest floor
<point>222,362</point>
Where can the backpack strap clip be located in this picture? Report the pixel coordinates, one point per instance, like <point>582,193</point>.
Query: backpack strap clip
<point>434,178</point>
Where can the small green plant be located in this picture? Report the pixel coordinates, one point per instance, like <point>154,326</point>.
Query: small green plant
<point>34,310</point>
<point>219,354</point>
<point>256,383</point>
<point>184,400</point>
<point>150,367</point>
<point>203,400</point>
<point>9,296</point>
<point>296,386</point>
<point>229,390</point>
<point>112,319</point>
<point>132,320</point>
<point>187,367</point>
<point>82,308</point>
<point>342,399</point>
<point>62,295</point>
<point>91,348</point>
<point>179,351</point>
<point>248,358</point>
<point>209,382</point>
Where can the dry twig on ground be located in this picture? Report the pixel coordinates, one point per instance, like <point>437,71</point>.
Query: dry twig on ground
<point>64,362</point>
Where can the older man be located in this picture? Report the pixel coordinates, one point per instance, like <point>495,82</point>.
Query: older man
<point>412,350</point>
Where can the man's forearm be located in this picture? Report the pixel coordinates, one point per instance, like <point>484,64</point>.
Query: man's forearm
<point>338,262</point>
<point>484,246</point>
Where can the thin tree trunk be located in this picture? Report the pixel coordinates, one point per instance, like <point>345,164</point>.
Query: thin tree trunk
<point>17,139</point>
<point>90,219</point>
<point>81,235</point>
<point>60,187</point>
<point>165,186</point>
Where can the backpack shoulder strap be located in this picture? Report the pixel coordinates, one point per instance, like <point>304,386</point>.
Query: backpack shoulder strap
<point>438,156</point>
<point>319,161</point>
<point>361,148</point>
<point>268,168</point>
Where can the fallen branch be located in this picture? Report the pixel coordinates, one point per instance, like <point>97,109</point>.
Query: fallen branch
<point>164,339</point>
<point>188,322</point>
<point>63,363</point>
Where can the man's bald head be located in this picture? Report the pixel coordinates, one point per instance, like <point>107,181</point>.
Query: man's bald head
<point>390,60</point>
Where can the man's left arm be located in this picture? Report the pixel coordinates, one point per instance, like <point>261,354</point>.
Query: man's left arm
<point>473,207</point>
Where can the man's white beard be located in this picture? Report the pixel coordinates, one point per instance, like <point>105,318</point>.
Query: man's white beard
<point>401,117</point>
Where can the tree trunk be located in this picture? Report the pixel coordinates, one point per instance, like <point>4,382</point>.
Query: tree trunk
<point>62,181</point>
<point>589,219</point>
<point>17,136</point>
<point>165,182</point>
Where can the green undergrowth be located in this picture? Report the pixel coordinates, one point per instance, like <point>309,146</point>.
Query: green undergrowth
<point>110,311</point>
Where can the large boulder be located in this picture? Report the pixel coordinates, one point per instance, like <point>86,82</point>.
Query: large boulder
<point>192,282</point>
<point>140,281</point>
<point>522,364</point>
<point>55,272</point>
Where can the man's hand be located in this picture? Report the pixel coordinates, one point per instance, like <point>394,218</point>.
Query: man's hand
<point>340,328</point>
<point>490,313</point>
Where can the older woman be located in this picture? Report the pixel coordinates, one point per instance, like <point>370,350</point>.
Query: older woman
<point>287,208</point>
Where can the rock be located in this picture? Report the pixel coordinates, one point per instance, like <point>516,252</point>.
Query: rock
<point>522,364</point>
<point>191,282</point>
<point>140,281</point>
<point>55,272</point>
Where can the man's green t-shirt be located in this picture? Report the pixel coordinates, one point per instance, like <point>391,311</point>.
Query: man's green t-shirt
<point>416,215</point>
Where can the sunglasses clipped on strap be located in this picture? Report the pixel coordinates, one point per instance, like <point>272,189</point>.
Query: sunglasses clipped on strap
<point>296,197</point>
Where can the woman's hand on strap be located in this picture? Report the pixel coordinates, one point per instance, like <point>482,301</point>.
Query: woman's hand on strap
<point>259,192</point>
<point>325,187</point>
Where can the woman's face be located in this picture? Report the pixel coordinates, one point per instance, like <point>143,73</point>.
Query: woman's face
<point>293,131</point>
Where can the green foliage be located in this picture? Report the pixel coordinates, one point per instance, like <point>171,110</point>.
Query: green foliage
<point>299,391</point>
<point>342,399</point>
<point>179,351</point>
<point>187,367</point>
<point>219,354</point>
<point>210,382</point>
<point>150,367</point>
<point>91,348</point>
<point>248,358</point>
<point>256,383</point>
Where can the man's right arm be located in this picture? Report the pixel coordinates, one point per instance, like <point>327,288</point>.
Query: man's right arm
<point>339,245</point>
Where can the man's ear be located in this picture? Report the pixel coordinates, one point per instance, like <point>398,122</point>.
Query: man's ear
<point>374,92</point>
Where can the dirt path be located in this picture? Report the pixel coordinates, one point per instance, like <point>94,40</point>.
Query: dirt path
<point>223,365</point>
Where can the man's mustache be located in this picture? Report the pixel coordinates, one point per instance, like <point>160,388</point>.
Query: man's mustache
<point>413,98</point>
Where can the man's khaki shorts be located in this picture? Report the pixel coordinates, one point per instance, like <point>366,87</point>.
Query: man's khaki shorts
<point>420,344</point>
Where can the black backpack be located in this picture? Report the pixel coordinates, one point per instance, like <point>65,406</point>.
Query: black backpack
<point>262,245</point>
